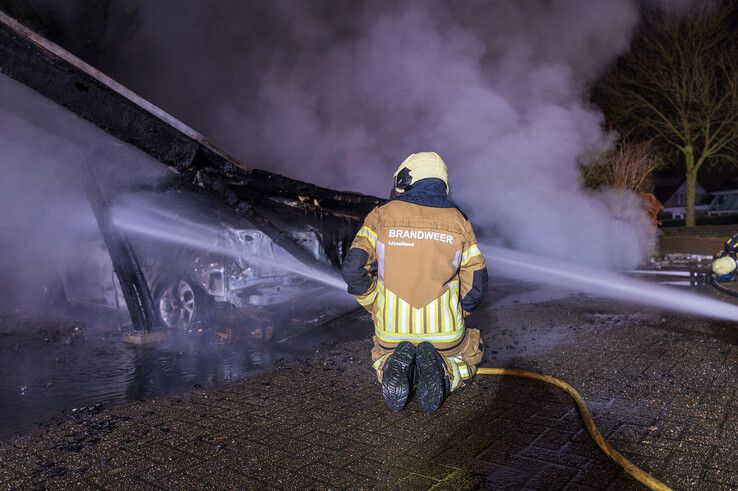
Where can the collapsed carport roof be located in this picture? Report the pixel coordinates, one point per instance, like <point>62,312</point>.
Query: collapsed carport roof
<point>272,203</point>
<point>65,79</point>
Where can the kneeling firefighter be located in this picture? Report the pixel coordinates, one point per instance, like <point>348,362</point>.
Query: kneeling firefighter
<point>415,265</point>
<point>724,264</point>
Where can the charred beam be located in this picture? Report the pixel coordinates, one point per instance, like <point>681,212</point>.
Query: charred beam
<point>63,78</point>
<point>125,262</point>
<point>279,236</point>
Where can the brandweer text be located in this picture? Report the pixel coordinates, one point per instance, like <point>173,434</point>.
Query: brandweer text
<point>420,234</point>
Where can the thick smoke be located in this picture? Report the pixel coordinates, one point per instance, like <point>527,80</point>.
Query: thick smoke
<point>339,93</point>
<point>46,225</point>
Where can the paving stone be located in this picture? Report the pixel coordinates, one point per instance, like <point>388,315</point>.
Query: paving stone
<point>724,477</point>
<point>552,477</point>
<point>414,482</point>
<point>553,457</point>
<point>597,474</point>
<point>336,477</point>
<point>724,458</point>
<point>503,477</point>
<point>685,481</point>
<point>10,477</point>
<point>664,399</point>
<point>625,483</point>
<point>120,479</point>
<point>427,469</point>
<point>553,439</point>
<point>575,486</point>
<point>227,478</point>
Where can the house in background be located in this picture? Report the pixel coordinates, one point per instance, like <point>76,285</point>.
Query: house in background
<point>716,196</point>
<point>673,194</point>
<point>716,199</point>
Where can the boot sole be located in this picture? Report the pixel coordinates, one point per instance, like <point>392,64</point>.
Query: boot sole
<point>429,389</point>
<point>396,378</point>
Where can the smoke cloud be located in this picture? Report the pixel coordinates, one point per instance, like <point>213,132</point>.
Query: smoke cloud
<point>338,93</point>
<point>46,225</point>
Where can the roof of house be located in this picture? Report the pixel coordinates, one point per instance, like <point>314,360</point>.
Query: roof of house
<point>713,183</point>
<point>712,178</point>
<point>665,188</point>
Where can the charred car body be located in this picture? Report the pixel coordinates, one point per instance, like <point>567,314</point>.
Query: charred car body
<point>280,220</point>
<point>243,269</point>
<point>231,263</point>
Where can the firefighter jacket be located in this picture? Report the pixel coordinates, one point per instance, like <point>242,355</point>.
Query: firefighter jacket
<point>731,247</point>
<point>429,270</point>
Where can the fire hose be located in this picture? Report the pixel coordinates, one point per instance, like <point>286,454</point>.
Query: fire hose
<point>717,285</point>
<point>636,472</point>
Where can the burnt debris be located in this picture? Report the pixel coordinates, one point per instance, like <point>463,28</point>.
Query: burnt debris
<point>275,205</point>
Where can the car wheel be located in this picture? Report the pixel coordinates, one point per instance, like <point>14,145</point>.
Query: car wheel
<point>181,304</point>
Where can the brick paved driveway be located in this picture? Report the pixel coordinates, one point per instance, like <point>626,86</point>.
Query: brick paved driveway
<point>662,388</point>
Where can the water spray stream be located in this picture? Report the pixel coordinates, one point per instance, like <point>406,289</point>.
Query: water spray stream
<point>148,222</point>
<point>513,264</point>
<point>162,225</point>
<point>659,272</point>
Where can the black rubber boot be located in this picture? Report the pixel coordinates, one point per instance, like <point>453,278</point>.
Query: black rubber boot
<point>397,376</point>
<point>432,383</point>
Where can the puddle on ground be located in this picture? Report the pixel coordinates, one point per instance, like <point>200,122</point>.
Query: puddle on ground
<point>50,372</point>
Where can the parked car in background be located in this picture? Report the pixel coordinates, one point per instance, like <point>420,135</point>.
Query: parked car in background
<point>724,203</point>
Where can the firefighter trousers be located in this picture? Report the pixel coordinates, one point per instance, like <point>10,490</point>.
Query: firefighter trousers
<point>461,359</point>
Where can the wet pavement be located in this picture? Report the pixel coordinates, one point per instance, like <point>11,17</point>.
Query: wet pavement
<point>77,362</point>
<point>662,388</point>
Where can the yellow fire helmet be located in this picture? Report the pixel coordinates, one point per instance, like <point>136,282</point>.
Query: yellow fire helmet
<point>417,166</point>
<point>723,265</point>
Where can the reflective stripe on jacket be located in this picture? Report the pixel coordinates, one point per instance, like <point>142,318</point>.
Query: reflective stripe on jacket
<point>425,261</point>
<point>731,245</point>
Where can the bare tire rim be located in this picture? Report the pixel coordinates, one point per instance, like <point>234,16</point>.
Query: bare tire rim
<point>177,306</point>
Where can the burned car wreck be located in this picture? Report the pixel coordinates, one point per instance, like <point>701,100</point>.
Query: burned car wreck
<point>261,241</point>
<point>240,268</point>
<point>240,281</point>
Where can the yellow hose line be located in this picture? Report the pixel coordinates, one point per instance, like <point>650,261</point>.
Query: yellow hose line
<point>629,467</point>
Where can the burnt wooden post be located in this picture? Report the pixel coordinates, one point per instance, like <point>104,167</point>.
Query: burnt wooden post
<point>133,284</point>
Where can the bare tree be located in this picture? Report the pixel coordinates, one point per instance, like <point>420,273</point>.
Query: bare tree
<point>630,166</point>
<point>626,165</point>
<point>678,85</point>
